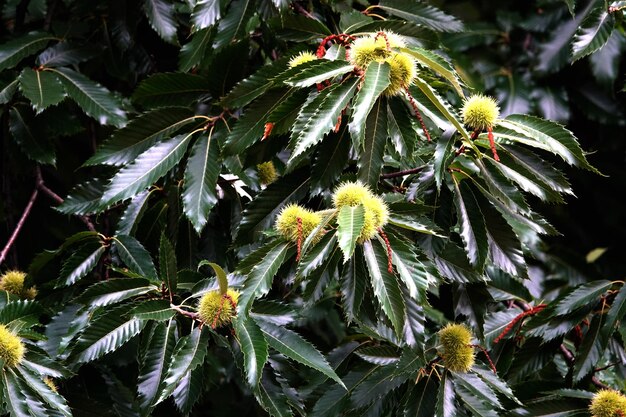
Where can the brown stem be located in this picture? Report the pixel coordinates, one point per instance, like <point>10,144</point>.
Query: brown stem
<point>403,173</point>
<point>19,225</point>
<point>191,315</point>
<point>47,191</point>
<point>298,8</point>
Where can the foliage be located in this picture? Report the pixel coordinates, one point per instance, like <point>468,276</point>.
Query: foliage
<point>282,208</point>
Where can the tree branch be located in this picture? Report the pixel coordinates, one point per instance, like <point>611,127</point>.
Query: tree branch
<point>57,198</point>
<point>19,225</point>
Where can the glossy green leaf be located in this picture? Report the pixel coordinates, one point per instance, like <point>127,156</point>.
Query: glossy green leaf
<point>12,52</point>
<point>233,25</point>
<point>146,169</point>
<point>594,32</point>
<point>80,263</point>
<point>158,310</point>
<point>95,100</point>
<point>29,136</point>
<point>170,89</point>
<point>140,134</point>
<point>292,345</point>
<point>422,14</point>
<point>253,346</point>
<point>437,64</point>
<point>315,120</point>
<point>471,224</point>
<point>316,72</point>
<point>581,296</point>
<point>167,263</point>
<point>371,158</point>
<point>385,284</point>
<point>135,256</point>
<point>84,198</point>
<point>206,13</point>
<point>115,290</point>
<point>159,347</point>
<point>375,82</point>
<point>259,280</point>
<point>66,53</point>
<point>193,52</point>
<point>350,221</point>
<point>201,174</point>
<point>160,14</point>
<point>42,88</point>
<point>189,353</point>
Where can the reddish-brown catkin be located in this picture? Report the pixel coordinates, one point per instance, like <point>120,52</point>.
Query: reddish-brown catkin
<point>299,241</point>
<point>417,112</point>
<point>484,351</point>
<point>517,319</point>
<point>389,252</point>
<point>492,144</point>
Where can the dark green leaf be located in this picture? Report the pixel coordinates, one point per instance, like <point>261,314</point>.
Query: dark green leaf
<point>594,32</point>
<point>12,52</point>
<point>233,25</point>
<point>83,198</point>
<point>193,52</point>
<point>420,400</point>
<point>189,353</point>
<point>135,256</point>
<point>66,53</point>
<point>159,347</point>
<point>443,155</point>
<point>201,173</point>
<point>471,224</point>
<point>167,263</point>
<point>140,134</point>
<point>80,264</point>
<point>446,402</point>
<point>295,347</point>
<point>115,290</point>
<point>146,169</point>
<point>385,285</point>
<point>371,161</point>
<point>205,13</point>
<point>95,100</point>
<point>253,346</point>
<point>160,14</point>
<point>422,14</point>
<point>158,310</point>
<point>375,81</point>
<point>582,296</point>
<point>171,89</point>
<point>259,281</point>
<point>315,72</point>
<point>29,136</point>
<point>350,222</point>
<point>42,88</point>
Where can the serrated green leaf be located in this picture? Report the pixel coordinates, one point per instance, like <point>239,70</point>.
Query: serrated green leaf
<point>591,350</point>
<point>256,85</point>
<point>350,221</point>
<point>51,397</point>
<point>168,89</point>
<point>582,296</point>
<point>353,285</point>
<point>205,13</point>
<point>446,402</point>
<point>478,387</point>
<point>106,334</point>
<point>95,100</point>
<point>471,224</point>
<point>412,272</point>
<point>66,53</point>
<point>84,198</point>
<point>443,155</point>
<point>146,169</point>
<point>422,14</point>
<point>188,390</point>
<point>330,161</point>
<point>158,354</point>
<point>189,353</point>
<point>158,310</point>
<point>315,120</point>
<point>201,174</point>
<point>272,399</point>
<point>79,264</point>
<point>420,401</point>
<point>437,64</point>
<point>259,280</point>
<point>167,263</point>
<point>253,346</point>
<point>261,212</point>
<point>371,157</point>
<point>298,28</point>
<point>115,290</point>
<point>250,126</point>
<point>378,355</point>
<point>42,88</point>
<point>233,25</point>
<point>140,134</point>
<point>378,384</point>
<point>7,91</point>
<point>133,213</point>
<point>546,135</point>
<point>316,72</point>
<point>192,53</point>
<point>12,52</point>
<point>160,14</point>
<point>295,347</point>
<point>318,255</point>
<point>474,403</point>
<point>385,285</point>
<point>28,135</point>
<point>376,80</point>
<point>13,397</point>
<point>594,32</point>
<point>135,256</point>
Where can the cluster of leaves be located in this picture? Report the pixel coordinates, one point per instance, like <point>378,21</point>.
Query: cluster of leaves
<point>175,184</point>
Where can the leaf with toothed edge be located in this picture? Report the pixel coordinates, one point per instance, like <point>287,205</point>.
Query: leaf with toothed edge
<point>253,346</point>
<point>160,14</point>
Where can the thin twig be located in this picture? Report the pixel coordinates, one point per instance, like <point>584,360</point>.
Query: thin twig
<point>298,8</point>
<point>57,198</point>
<point>19,225</point>
<point>403,173</point>
<point>191,315</point>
